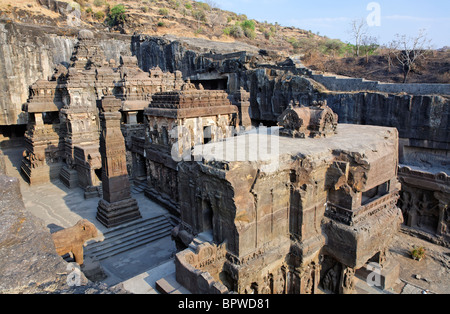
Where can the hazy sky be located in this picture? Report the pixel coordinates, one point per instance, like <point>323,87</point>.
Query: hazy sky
<point>332,18</point>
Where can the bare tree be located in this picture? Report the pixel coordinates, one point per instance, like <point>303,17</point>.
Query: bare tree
<point>410,50</point>
<point>212,4</point>
<point>215,16</point>
<point>391,51</point>
<point>358,30</point>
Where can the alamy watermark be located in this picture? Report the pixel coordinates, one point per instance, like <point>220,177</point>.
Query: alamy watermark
<point>374,278</point>
<point>74,278</point>
<point>374,18</point>
<point>231,145</point>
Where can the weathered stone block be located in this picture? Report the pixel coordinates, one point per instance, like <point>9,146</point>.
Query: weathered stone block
<point>26,248</point>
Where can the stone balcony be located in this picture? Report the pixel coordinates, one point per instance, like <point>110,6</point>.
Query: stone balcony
<point>355,236</point>
<point>354,217</point>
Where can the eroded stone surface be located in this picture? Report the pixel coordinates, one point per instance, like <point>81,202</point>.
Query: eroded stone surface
<point>328,202</point>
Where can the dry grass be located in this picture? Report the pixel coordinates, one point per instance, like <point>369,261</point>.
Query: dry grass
<point>144,17</point>
<point>434,69</point>
<point>31,7</point>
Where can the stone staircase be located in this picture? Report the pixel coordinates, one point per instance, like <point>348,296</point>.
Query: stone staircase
<point>138,187</point>
<point>130,236</point>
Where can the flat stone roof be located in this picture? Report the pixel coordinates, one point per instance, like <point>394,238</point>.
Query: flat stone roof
<point>263,145</point>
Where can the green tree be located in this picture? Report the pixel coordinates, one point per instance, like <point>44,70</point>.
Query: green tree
<point>248,24</point>
<point>333,47</point>
<point>117,15</point>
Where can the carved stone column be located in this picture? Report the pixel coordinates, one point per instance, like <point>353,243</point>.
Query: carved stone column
<point>117,206</point>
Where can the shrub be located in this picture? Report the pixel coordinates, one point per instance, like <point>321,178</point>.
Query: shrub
<point>203,6</point>
<point>242,17</point>
<point>246,28</point>
<point>248,24</point>
<point>100,15</point>
<point>199,15</point>
<point>235,31</point>
<point>82,3</point>
<point>173,3</point>
<point>333,46</point>
<point>294,42</point>
<point>99,3</point>
<point>117,15</point>
<point>249,33</point>
<point>418,253</point>
<point>163,12</point>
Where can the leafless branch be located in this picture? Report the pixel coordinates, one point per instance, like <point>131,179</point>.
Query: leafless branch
<point>410,50</point>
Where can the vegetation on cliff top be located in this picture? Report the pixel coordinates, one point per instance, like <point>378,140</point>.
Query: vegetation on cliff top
<point>188,18</point>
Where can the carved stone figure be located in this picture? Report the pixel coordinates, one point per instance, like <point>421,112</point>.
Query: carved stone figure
<point>71,240</point>
<point>347,281</point>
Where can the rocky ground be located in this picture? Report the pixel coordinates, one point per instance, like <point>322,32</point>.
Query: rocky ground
<point>432,273</point>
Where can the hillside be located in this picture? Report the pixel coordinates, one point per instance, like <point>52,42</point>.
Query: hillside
<point>192,19</point>
<point>183,18</point>
<point>435,68</point>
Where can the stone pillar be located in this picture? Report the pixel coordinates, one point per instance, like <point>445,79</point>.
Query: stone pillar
<point>132,117</point>
<point>38,119</point>
<point>241,100</point>
<point>117,206</point>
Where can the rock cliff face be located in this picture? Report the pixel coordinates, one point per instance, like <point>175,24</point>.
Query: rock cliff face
<point>421,118</point>
<point>28,54</point>
<point>424,120</point>
<point>188,55</point>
